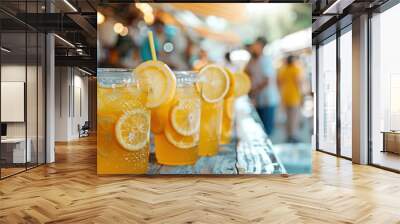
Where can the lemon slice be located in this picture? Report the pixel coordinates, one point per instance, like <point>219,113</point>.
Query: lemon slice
<point>232,83</point>
<point>158,80</point>
<point>185,117</point>
<point>180,141</point>
<point>214,83</point>
<point>132,129</point>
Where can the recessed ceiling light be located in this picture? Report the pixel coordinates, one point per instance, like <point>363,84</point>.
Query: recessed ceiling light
<point>84,71</point>
<point>5,49</point>
<point>70,5</point>
<point>64,40</point>
<point>337,7</point>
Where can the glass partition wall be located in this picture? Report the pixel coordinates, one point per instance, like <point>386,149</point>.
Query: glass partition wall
<point>22,77</point>
<point>385,89</point>
<point>13,95</point>
<point>334,101</point>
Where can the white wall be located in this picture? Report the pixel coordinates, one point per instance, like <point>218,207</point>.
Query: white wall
<point>62,82</point>
<point>79,117</point>
<point>12,73</point>
<point>70,83</point>
<point>33,127</point>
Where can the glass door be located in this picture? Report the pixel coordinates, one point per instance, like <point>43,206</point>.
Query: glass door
<point>327,96</point>
<point>346,93</point>
<point>385,89</point>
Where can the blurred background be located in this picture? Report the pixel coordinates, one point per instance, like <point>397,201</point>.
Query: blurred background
<point>269,41</point>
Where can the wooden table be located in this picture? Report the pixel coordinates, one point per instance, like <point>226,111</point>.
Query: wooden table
<point>391,141</point>
<point>250,152</point>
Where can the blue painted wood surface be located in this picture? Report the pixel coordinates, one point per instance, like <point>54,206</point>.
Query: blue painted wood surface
<point>222,163</point>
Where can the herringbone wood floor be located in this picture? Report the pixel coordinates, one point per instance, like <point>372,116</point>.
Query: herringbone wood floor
<point>69,191</point>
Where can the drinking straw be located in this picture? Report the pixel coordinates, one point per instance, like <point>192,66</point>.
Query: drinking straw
<point>152,48</point>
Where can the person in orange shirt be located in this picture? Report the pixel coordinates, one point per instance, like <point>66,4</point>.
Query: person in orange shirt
<point>290,78</point>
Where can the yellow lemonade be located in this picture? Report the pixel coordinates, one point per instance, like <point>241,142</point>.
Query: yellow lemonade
<point>227,120</point>
<point>211,128</point>
<point>227,117</point>
<point>240,86</point>
<point>177,123</point>
<point>214,85</point>
<point>123,124</point>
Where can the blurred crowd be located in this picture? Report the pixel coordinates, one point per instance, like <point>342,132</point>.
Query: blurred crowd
<point>173,47</point>
<point>278,84</point>
<point>271,88</point>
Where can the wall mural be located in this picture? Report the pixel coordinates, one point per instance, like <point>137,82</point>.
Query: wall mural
<point>201,88</point>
